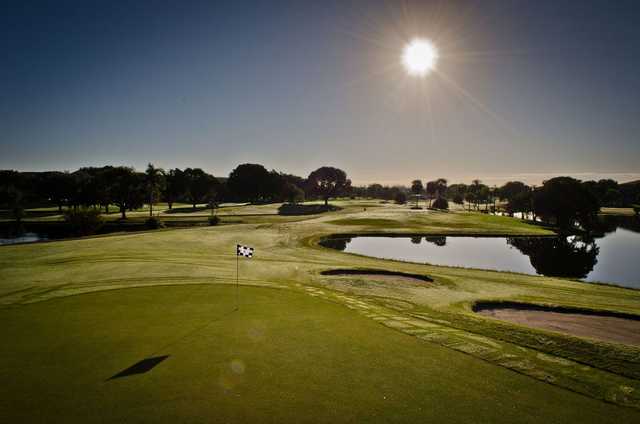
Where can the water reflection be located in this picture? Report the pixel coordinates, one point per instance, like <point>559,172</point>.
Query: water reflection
<point>610,223</point>
<point>21,238</point>
<point>571,257</point>
<point>338,243</point>
<point>438,241</point>
<point>609,254</point>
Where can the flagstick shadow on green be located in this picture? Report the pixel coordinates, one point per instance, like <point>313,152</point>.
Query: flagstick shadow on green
<point>140,367</point>
<point>151,362</point>
<point>148,364</point>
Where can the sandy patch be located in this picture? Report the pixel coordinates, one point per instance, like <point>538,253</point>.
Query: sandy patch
<point>601,327</point>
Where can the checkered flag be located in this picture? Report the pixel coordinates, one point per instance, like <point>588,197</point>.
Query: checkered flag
<point>245,251</point>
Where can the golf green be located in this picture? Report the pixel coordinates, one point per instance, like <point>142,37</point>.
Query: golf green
<point>284,356</point>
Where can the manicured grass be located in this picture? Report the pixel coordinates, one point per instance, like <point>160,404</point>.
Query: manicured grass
<point>618,211</point>
<point>393,217</point>
<point>372,222</point>
<point>186,273</point>
<point>282,357</point>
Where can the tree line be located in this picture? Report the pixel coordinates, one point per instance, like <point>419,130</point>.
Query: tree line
<point>128,189</point>
<point>562,201</point>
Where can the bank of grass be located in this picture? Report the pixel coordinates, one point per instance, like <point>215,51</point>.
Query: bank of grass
<point>436,222</point>
<point>188,277</point>
<point>619,359</point>
<point>618,211</point>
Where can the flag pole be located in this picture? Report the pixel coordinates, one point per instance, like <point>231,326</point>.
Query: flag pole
<point>237,271</point>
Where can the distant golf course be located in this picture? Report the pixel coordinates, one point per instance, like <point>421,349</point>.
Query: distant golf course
<point>319,335</point>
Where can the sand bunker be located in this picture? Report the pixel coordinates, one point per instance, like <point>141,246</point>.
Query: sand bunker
<point>380,275</point>
<point>600,325</point>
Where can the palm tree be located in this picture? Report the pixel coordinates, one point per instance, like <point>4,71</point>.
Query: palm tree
<point>475,189</point>
<point>431,190</point>
<point>441,187</point>
<point>494,196</point>
<point>153,177</point>
<point>417,189</point>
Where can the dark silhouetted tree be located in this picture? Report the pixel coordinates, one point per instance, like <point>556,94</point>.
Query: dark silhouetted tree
<point>201,187</point>
<point>154,179</point>
<point>475,188</point>
<point>175,186</point>
<point>292,193</point>
<point>431,189</point>
<point>250,182</point>
<point>436,189</point>
<point>417,189</point>
<point>127,188</point>
<point>327,182</point>
<point>400,197</point>
<point>518,196</point>
<point>441,203</point>
<point>566,201</point>
<point>12,193</point>
<point>57,187</point>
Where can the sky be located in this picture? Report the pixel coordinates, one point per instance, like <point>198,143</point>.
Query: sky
<point>523,90</point>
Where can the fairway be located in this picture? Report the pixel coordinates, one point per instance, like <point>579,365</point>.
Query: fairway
<point>281,353</point>
<point>342,337</point>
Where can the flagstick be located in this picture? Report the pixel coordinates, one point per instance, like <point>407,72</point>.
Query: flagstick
<point>237,270</point>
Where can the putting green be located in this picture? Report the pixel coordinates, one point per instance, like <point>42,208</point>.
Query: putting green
<point>284,356</point>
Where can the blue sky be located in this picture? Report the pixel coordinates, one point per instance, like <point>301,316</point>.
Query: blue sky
<point>523,89</point>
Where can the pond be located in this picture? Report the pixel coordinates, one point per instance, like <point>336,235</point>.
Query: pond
<point>33,232</point>
<point>22,238</point>
<point>610,256</point>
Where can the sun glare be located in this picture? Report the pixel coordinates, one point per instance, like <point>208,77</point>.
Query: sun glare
<point>419,57</point>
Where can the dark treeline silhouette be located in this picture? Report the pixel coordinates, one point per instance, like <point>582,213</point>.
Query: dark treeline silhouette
<point>396,193</point>
<point>435,192</point>
<point>560,201</point>
<point>99,188</point>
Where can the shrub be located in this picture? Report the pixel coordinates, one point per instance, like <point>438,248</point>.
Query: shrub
<point>18,213</point>
<point>214,220</point>
<point>301,209</point>
<point>400,198</point>
<point>293,193</point>
<point>440,203</point>
<point>154,223</point>
<point>83,222</point>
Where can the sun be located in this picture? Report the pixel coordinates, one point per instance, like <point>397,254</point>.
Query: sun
<point>419,57</point>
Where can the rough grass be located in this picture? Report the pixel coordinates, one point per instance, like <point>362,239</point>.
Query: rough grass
<point>52,334</point>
